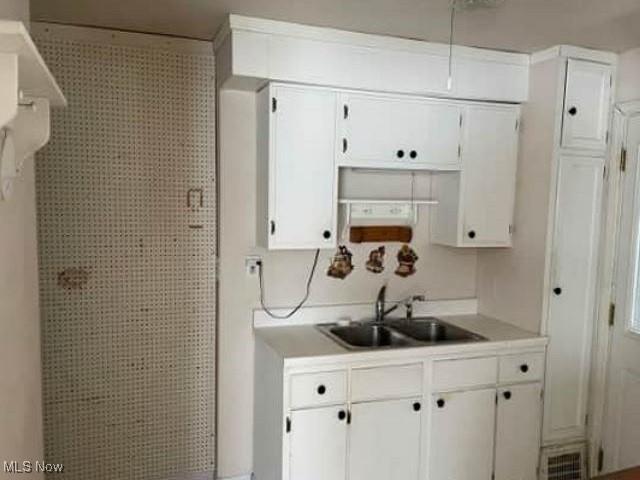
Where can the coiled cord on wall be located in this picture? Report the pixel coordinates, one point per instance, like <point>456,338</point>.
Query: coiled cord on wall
<point>302,302</point>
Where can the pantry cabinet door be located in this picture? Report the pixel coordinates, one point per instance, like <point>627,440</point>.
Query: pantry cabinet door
<point>461,435</point>
<point>518,432</point>
<point>302,200</point>
<point>489,158</point>
<point>587,104</point>
<point>384,440</point>
<point>572,296</point>
<point>318,444</point>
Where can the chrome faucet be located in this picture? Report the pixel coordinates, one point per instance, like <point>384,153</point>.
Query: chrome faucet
<point>408,304</point>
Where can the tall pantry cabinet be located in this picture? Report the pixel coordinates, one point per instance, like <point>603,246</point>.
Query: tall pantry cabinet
<point>547,281</point>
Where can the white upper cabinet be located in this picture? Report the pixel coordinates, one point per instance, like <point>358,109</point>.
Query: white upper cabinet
<point>399,133</point>
<point>476,205</point>
<point>296,151</point>
<point>587,104</point>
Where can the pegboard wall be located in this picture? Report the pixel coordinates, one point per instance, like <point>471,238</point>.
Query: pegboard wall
<point>126,202</point>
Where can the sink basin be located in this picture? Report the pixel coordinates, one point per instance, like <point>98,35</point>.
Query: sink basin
<point>433,330</point>
<point>366,336</point>
<point>398,333</point>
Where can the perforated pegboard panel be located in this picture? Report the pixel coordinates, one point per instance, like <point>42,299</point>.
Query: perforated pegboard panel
<point>127,268</point>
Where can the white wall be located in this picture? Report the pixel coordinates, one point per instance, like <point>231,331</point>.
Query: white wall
<point>628,76</point>
<point>442,273</point>
<point>15,10</point>
<point>21,392</point>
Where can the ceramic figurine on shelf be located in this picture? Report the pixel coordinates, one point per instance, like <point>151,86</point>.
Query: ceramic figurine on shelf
<point>341,265</point>
<point>407,259</point>
<point>375,263</point>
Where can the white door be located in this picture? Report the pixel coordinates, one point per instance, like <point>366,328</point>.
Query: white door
<point>571,313</point>
<point>384,440</point>
<point>587,105</point>
<point>318,444</point>
<point>400,132</point>
<point>302,203</point>
<point>621,443</point>
<point>461,436</point>
<point>490,159</point>
<point>518,432</point>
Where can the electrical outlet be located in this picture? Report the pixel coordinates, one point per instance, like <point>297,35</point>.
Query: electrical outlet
<point>251,264</point>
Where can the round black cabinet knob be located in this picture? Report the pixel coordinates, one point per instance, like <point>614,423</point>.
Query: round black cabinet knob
<point>472,234</point>
<point>417,406</point>
<point>321,389</point>
<point>440,403</point>
<point>342,415</point>
<point>573,111</point>
<point>507,395</point>
<point>400,153</point>
<point>524,368</point>
<point>326,234</point>
<point>413,154</point>
<point>557,290</point>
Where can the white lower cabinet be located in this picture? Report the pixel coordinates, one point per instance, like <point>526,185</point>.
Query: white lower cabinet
<point>384,440</point>
<point>461,438</point>
<point>518,432</point>
<point>455,418</point>
<point>318,444</point>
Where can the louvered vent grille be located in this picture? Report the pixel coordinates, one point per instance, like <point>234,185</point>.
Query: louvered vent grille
<point>565,463</point>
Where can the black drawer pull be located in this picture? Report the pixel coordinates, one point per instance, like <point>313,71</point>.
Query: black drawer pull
<point>524,368</point>
<point>342,415</point>
<point>440,403</point>
<point>507,395</point>
<point>321,389</point>
<point>417,406</point>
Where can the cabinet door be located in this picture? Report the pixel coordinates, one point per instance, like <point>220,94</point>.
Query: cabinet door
<point>489,162</point>
<point>302,203</point>
<point>318,444</point>
<point>586,108</point>
<point>572,295</point>
<point>400,132</point>
<point>518,432</point>
<point>461,436</point>
<point>384,440</point>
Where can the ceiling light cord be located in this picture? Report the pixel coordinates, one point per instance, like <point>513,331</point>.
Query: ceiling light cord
<point>451,25</point>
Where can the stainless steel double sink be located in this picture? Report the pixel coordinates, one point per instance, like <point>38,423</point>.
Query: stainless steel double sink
<point>397,333</point>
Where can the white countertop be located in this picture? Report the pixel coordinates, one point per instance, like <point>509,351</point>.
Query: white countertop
<point>304,344</point>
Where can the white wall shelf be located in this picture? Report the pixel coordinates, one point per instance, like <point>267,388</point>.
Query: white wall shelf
<point>27,91</point>
<point>382,211</point>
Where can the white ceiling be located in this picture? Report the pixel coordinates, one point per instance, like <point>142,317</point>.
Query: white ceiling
<point>520,25</point>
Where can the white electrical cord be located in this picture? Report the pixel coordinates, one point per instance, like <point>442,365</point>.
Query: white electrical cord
<point>302,302</point>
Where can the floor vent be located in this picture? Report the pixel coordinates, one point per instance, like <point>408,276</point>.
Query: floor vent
<point>564,463</point>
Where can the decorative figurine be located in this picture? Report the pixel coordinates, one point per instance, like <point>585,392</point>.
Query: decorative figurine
<point>406,261</point>
<point>375,263</point>
<point>341,265</point>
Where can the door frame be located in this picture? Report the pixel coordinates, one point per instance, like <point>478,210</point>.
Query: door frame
<point>606,289</point>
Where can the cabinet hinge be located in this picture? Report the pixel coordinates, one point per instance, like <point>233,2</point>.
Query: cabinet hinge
<point>600,459</point>
<point>344,145</point>
<point>274,104</point>
<point>612,314</point>
<point>623,159</point>
<point>459,151</point>
<point>517,124</point>
<point>586,420</point>
<point>511,229</point>
<point>272,228</point>
<point>348,417</point>
<point>345,111</point>
<point>496,398</point>
<point>493,475</point>
<point>288,425</point>
<point>460,120</point>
